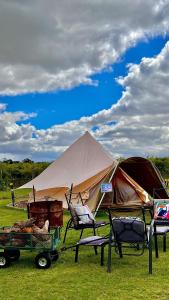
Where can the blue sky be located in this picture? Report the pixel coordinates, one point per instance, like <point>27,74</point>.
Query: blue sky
<point>104,70</point>
<point>66,105</point>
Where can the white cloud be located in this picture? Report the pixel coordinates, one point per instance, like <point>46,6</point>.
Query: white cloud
<point>52,45</point>
<point>137,125</point>
<point>142,113</point>
<point>45,46</point>
<point>3,106</point>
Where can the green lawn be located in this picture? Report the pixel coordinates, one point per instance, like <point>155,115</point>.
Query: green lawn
<point>20,193</point>
<point>86,279</point>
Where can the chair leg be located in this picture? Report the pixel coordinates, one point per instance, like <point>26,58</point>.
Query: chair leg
<point>164,243</point>
<point>81,234</point>
<point>150,264</point>
<point>120,250</point>
<point>156,245</point>
<point>67,227</point>
<point>95,247</point>
<point>138,247</point>
<point>109,258</point>
<point>95,250</point>
<point>155,241</point>
<point>150,257</point>
<point>94,230</point>
<point>102,255</point>
<point>76,253</point>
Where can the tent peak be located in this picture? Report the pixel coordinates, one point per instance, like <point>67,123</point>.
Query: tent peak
<point>84,159</point>
<point>87,138</point>
<point>87,133</point>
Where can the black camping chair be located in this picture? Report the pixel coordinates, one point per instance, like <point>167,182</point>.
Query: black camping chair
<point>146,213</point>
<point>160,229</point>
<point>74,221</point>
<point>130,233</point>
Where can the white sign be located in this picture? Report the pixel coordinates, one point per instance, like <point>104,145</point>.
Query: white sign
<point>106,187</point>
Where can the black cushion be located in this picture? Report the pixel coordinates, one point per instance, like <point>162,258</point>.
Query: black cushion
<point>128,230</point>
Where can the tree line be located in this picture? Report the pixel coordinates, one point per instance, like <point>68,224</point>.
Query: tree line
<point>16,173</point>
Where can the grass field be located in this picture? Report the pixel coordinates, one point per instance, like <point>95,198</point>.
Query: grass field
<point>86,279</point>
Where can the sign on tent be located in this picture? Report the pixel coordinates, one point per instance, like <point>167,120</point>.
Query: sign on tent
<point>106,187</point>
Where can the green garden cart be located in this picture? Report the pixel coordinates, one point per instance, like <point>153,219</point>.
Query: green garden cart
<point>45,244</point>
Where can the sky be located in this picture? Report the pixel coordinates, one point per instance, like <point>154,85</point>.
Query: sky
<point>67,67</point>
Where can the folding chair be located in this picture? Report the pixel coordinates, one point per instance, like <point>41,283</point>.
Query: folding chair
<point>160,229</point>
<point>75,219</point>
<point>129,233</point>
<point>146,213</point>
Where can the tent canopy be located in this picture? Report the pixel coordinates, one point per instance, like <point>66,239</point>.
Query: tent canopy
<point>86,164</point>
<point>146,175</point>
<point>126,192</point>
<point>135,180</point>
<point>82,160</point>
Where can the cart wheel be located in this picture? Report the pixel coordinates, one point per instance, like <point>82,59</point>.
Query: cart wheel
<point>14,254</point>
<point>4,260</point>
<point>43,261</point>
<point>54,255</point>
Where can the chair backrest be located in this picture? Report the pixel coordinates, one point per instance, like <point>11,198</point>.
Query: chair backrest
<point>72,199</point>
<point>128,230</point>
<point>144,213</point>
<point>74,216</point>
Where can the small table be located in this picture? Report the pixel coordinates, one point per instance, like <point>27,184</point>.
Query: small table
<point>95,241</point>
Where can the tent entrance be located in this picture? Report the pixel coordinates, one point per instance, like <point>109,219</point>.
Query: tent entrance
<point>126,192</point>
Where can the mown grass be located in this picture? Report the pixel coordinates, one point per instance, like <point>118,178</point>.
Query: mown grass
<point>20,193</point>
<point>86,279</point>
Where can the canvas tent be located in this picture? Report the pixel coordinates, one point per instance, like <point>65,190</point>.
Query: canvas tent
<point>86,164</point>
<point>145,173</point>
<point>135,180</point>
<point>125,192</point>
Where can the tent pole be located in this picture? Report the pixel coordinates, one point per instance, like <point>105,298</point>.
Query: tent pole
<point>96,211</point>
<point>71,190</point>
<point>33,193</point>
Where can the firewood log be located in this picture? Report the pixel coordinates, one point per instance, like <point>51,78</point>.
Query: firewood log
<point>27,223</point>
<point>27,229</point>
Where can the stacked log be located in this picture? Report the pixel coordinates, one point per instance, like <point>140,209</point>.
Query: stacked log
<point>26,233</point>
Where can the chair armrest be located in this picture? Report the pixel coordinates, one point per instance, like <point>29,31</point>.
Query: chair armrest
<point>83,215</point>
